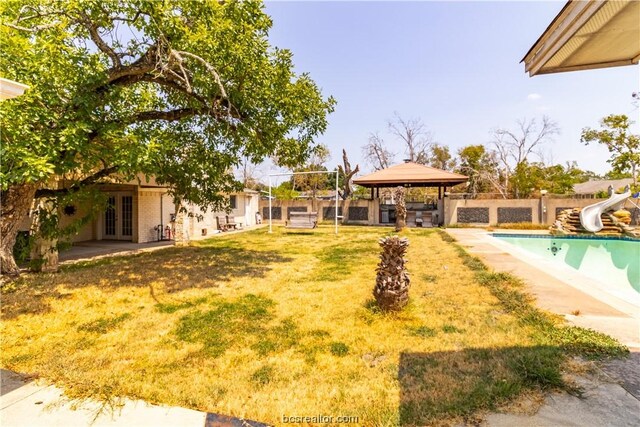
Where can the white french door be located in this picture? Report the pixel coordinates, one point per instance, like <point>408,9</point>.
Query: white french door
<point>118,217</point>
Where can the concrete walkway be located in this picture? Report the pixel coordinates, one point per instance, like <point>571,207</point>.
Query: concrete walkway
<point>28,404</point>
<point>612,396</point>
<point>95,249</point>
<point>25,403</point>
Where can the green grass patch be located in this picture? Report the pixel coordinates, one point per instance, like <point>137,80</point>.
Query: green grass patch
<point>339,349</point>
<point>263,375</point>
<point>218,329</point>
<point>547,331</point>
<point>169,308</point>
<point>451,329</point>
<point>422,331</point>
<point>430,278</point>
<point>278,338</point>
<point>336,262</point>
<point>104,324</point>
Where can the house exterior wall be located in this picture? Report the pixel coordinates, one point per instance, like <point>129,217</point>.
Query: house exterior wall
<point>151,207</point>
<point>87,232</point>
<point>200,224</point>
<point>154,208</point>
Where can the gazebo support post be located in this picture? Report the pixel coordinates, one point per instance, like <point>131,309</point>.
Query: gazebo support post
<point>371,193</point>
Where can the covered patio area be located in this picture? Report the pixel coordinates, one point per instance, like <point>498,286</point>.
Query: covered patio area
<point>411,175</point>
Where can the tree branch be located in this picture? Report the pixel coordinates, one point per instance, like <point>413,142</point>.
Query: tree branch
<point>208,66</point>
<point>171,115</point>
<point>95,37</point>
<point>48,192</point>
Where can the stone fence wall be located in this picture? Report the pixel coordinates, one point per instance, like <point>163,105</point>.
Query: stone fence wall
<point>456,211</point>
<point>349,211</point>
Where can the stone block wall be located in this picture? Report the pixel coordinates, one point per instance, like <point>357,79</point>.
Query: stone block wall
<point>473,215</point>
<point>514,215</point>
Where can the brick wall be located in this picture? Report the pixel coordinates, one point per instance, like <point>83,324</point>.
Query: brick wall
<point>150,215</point>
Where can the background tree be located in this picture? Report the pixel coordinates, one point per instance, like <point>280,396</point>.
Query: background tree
<point>481,166</point>
<point>316,181</point>
<point>513,147</point>
<point>438,156</point>
<point>414,136</point>
<point>180,90</point>
<point>623,145</point>
<point>376,154</point>
<point>284,191</point>
<point>346,173</point>
<point>557,179</point>
<point>247,175</point>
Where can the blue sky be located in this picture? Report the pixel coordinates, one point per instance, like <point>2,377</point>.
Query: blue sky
<point>455,65</point>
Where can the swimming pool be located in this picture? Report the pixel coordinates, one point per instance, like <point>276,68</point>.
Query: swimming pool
<point>614,262</point>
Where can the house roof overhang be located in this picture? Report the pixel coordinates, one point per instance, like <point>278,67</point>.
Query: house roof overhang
<point>10,89</point>
<point>410,175</point>
<point>587,35</point>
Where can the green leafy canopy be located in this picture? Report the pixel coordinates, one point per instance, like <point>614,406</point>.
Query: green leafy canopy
<point>624,146</point>
<point>181,90</point>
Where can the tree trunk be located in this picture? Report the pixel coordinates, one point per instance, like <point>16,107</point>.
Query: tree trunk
<point>180,237</point>
<point>401,208</point>
<point>15,204</point>
<point>44,250</point>
<point>392,280</point>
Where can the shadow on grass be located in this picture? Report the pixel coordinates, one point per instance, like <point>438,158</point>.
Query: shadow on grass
<point>440,385</point>
<point>171,270</point>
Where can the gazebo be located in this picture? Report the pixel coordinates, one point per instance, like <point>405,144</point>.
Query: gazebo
<point>410,174</point>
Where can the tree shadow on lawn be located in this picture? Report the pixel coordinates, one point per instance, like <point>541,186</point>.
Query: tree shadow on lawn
<point>169,270</point>
<point>456,384</point>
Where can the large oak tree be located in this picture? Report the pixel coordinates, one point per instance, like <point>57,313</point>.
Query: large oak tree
<point>181,90</point>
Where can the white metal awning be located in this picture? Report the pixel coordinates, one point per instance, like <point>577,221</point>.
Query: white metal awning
<point>588,34</point>
<point>10,89</point>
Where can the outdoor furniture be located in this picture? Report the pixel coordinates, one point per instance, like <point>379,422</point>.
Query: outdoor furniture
<point>427,219</point>
<point>231,222</point>
<point>418,218</point>
<point>225,223</point>
<point>303,220</point>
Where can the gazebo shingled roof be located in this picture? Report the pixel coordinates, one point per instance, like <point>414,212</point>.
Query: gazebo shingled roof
<point>410,174</point>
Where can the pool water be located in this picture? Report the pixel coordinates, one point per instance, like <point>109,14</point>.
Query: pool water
<point>612,261</point>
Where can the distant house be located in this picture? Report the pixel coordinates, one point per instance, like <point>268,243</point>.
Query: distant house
<point>140,211</point>
<point>594,187</point>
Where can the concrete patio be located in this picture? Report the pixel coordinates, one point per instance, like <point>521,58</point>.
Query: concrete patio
<point>97,248</point>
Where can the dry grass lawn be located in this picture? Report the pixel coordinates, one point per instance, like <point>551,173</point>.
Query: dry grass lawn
<point>260,326</point>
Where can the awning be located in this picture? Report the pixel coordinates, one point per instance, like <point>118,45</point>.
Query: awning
<point>10,89</point>
<point>411,175</point>
<point>588,34</point>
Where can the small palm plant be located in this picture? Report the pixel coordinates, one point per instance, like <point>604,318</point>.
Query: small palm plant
<point>392,281</point>
<point>401,208</point>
